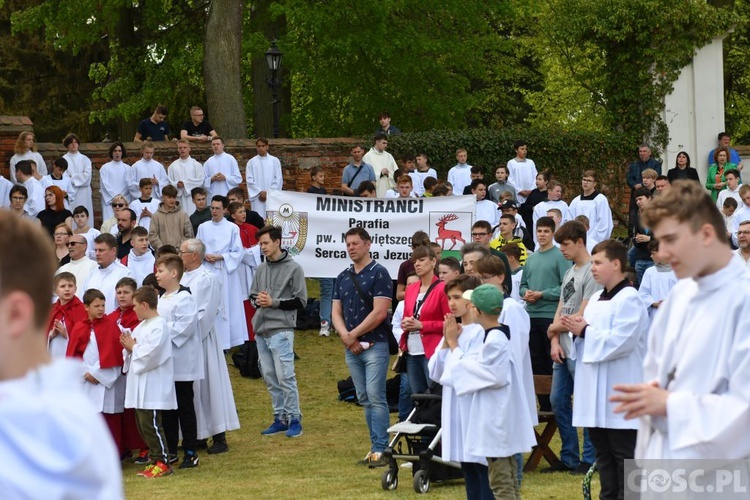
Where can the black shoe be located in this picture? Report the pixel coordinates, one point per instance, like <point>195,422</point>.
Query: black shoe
<point>201,444</point>
<point>190,461</point>
<point>559,467</point>
<point>581,470</point>
<point>172,458</point>
<point>218,447</point>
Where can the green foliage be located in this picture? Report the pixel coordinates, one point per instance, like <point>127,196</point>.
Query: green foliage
<point>566,154</point>
<point>737,75</point>
<point>147,53</point>
<point>623,56</point>
<point>431,64</point>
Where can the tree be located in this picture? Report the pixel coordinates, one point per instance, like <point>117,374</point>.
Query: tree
<point>222,67</point>
<point>442,64</point>
<point>623,55</point>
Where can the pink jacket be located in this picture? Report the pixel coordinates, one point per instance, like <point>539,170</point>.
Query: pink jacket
<point>431,315</point>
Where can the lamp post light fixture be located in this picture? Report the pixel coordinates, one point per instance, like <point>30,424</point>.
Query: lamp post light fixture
<point>273,59</point>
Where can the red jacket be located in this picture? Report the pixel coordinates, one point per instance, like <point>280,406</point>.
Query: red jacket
<point>71,314</point>
<point>107,339</point>
<point>126,318</point>
<point>431,315</point>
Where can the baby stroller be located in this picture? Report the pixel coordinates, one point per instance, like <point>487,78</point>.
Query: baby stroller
<point>417,440</point>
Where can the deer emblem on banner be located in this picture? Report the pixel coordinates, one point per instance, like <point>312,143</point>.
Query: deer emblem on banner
<point>444,234</point>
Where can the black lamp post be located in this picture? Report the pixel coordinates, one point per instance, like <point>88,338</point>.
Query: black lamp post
<point>273,59</point>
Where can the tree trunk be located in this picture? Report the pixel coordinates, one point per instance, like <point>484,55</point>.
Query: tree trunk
<point>222,51</point>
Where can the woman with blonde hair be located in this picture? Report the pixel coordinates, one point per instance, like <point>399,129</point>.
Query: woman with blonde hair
<point>118,204</point>
<point>26,150</point>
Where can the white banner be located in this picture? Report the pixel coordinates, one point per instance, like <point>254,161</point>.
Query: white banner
<point>314,226</point>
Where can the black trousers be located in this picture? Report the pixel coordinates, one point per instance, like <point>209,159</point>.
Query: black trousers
<point>181,418</point>
<point>613,447</point>
<point>539,350</point>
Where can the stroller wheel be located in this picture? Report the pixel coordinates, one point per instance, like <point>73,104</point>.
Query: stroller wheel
<point>421,481</point>
<point>389,480</point>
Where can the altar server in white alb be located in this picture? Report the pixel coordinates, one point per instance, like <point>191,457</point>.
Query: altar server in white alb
<point>609,346</point>
<point>595,206</point>
<point>150,378</point>
<point>485,209</point>
<point>455,412</point>
<point>695,399</point>
<point>140,260</point>
<point>501,425</point>
<point>658,280</point>
<point>522,172</point>
<point>263,172</point>
<point>148,168</point>
<point>554,200</point>
<point>224,253</point>
<point>382,163</point>
<point>186,173</point>
<point>60,446</point>
<point>25,149</point>
<point>179,310</point>
<point>79,172</point>
<point>220,172</point>
<point>115,178</point>
<point>216,412</point>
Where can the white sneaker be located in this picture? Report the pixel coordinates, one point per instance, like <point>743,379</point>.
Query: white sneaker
<point>325,329</point>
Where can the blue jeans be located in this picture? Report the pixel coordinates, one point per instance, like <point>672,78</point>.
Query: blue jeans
<point>405,404</point>
<point>418,371</point>
<point>326,298</point>
<point>369,370</point>
<point>477,481</point>
<point>562,390</point>
<point>276,355</point>
<point>640,265</point>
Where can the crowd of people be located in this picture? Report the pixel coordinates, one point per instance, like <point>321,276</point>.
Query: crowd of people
<point>181,270</point>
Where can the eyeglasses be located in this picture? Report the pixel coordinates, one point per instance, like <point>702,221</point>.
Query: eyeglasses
<point>478,235</point>
<point>183,252</point>
<point>71,243</point>
<point>743,233</point>
<point>118,205</point>
<point>61,234</point>
<point>588,180</point>
<point>17,198</point>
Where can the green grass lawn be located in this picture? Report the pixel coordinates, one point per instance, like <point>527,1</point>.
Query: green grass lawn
<point>322,462</point>
<point>319,464</point>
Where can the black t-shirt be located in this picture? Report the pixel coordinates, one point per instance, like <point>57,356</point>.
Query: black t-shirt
<point>317,190</point>
<point>123,248</point>
<point>203,128</point>
<point>50,219</point>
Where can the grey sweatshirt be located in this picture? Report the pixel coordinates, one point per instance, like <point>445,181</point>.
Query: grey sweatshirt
<point>284,280</point>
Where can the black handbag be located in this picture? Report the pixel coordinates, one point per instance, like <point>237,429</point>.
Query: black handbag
<point>399,366</point>
<point>392,344</point>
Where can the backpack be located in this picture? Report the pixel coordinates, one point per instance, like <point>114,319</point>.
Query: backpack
<point>347,392</point>
<point>308,317</point>
<point>246,359</point>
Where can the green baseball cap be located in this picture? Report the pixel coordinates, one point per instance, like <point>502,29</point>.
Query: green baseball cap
<point>486,298</point>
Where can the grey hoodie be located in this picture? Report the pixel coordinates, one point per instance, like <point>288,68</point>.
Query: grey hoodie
<point>285,281</point>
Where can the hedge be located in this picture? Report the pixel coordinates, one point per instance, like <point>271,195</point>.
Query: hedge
<point>566,154</point>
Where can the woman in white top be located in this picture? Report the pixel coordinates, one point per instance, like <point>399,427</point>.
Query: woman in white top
<point>26,150</point>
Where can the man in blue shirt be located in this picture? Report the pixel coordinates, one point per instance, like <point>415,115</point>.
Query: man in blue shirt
<point>734,156</point>
<point>356,172</point>
<point>153,128</point>
<point>635,179</point>
<point>361,324</point>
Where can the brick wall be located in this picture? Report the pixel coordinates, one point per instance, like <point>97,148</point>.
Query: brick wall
<point>297,156</point>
